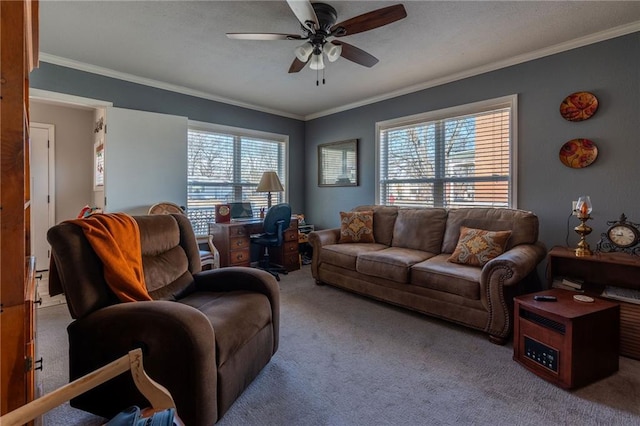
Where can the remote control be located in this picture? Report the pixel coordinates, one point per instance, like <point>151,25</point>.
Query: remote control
<point>543,298</point>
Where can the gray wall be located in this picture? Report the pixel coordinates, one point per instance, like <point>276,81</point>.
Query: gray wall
<point>124,94</point>
<point>610,70</point>
<point>73,156</point>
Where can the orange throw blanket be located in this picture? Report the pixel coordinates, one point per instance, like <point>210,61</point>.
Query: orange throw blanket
<point>115,238</point>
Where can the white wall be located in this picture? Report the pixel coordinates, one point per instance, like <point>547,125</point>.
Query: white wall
<point>145,160</point>
<point>73,155</point>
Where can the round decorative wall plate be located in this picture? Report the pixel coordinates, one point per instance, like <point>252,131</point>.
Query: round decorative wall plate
<point>578,153</point>
<point>579,106</point>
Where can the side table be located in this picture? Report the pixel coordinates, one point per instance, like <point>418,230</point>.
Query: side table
<point>567,342</point>
<point>598,271</point>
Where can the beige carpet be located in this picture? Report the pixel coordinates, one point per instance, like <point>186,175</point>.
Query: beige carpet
<point>348,360</point>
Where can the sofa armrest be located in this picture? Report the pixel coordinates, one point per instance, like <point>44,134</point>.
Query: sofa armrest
<point>317,239</point>
<point>249,279</point>
<point>178,344</point>
<point>507,270</point>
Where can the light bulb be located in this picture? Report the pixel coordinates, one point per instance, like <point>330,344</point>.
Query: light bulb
<point>584,205</point>
<point>334,52</point>
<point>317,63</point>
<point>303,51</point>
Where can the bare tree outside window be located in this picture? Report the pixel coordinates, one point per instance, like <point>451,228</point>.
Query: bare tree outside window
<point>453,162</point>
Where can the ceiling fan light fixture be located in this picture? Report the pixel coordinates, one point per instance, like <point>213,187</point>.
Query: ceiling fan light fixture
<point>334,52</point>
<point>317,63</point>
<point>303,51</point>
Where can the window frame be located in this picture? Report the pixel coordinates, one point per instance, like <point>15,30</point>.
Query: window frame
<point>199,126</point>
<point>510,101</point>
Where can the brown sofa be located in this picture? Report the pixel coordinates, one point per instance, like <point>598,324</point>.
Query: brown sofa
<point>205,336</point>
<point>407,264</point>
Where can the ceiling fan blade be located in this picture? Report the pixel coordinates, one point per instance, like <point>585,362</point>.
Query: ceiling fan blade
<point>263,36</point>
<point>303,9</point>
<point>297,65</point>
<point>369,21</point>
<point>355,54</point>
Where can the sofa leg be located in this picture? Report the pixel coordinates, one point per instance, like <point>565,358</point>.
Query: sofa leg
<point>318,282</point>
<point>498,340</point>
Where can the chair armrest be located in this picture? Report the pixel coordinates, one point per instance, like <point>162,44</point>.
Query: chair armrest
<point>178,344</point>
<point>317,239</point>
<point>208,240</point>
<point>507,270</point>
<point>243,278</point>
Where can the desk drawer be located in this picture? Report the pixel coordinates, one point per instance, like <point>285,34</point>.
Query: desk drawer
<point>239,257</point>
<point>291,235</point>
<point>238,243</point>
<point>290,248</point>
<point>238,231</point>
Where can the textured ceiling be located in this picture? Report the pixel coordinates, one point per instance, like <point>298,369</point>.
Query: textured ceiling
<point>182,45</point>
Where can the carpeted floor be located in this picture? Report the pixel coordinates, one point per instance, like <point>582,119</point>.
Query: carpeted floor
<point>348,360</point>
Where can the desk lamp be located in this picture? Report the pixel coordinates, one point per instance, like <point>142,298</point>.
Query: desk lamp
<point>269,182</point>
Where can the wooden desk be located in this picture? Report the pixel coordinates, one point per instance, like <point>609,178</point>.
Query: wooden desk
<point>597,271</point>
<point>232,241</point>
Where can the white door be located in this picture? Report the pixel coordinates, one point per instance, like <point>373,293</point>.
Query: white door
<point>42,190</point>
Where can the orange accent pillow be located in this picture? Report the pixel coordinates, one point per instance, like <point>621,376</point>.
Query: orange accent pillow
<point>356,227</point>
<point>476,246</point>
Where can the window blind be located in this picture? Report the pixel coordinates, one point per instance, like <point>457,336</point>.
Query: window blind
<point>226,167</point>
<point>461,161</point>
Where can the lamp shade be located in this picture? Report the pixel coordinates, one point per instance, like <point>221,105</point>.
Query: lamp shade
<point>317,63</point>
<point>269,182</point>
<point>584,206</point>
<point>333,52</point>
<point>303,51</point>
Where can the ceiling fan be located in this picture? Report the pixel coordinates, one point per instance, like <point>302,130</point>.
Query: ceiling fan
<point>318,22</point>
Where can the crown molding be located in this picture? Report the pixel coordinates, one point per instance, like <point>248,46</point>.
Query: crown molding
<point>558,48</point>
<point>81,66</point>
<point>552,50</point>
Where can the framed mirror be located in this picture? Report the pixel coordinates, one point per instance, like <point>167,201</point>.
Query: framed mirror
<point>338,163</point>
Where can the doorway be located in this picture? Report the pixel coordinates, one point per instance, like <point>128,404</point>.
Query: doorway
<point>42,171</point>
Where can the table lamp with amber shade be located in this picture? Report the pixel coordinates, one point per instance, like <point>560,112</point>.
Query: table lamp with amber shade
<point>269,182</point>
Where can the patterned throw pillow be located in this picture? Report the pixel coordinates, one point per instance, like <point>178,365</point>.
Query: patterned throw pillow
<point>477,246</point>
<point>356,227</point>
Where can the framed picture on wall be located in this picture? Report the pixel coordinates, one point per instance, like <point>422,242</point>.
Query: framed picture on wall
<point>98,165</point>
<point>338,163</point>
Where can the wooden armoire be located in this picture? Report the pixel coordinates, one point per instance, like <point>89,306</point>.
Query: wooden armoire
<point>18,57</point>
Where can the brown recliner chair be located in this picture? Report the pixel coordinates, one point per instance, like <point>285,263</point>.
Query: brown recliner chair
<point>205,336</point>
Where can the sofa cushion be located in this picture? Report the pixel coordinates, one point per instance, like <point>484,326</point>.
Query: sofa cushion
<point>392,263</point>
<point>522,224</point>
<point>346,254</point>
<point>439,274</point>
<point>384,218</point>
<point>236,317</point>
<point>420,229</point>
<point>356,227</point>
<point>477,246</point>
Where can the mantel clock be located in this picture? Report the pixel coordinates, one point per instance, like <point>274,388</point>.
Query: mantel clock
<point>621,236</point>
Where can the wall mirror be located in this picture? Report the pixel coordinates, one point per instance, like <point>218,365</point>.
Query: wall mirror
<point>338,163</point>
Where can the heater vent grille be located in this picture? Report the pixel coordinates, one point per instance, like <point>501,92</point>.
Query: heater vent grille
<point>542,321</point>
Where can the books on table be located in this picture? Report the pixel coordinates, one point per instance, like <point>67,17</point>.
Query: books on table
<point>624,294</point>
<point>568,284</point>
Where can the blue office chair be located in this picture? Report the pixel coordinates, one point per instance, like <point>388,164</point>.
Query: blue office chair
<point>275,223</point>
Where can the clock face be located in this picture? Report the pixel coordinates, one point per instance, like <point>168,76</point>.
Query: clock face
<point>224,210</point>
<point>623,235</point>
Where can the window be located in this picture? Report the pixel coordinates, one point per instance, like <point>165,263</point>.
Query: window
<point>458,157</point>
<point>225,165</point>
